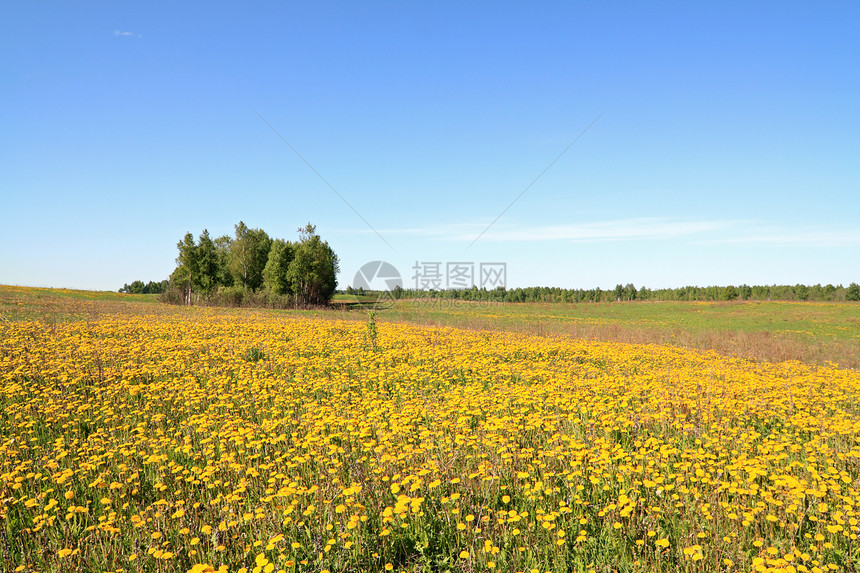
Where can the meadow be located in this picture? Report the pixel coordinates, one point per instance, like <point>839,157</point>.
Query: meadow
<point>140,437</point>
<point>773,331</point>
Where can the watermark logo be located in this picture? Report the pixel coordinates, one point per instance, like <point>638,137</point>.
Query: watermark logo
<point>378,279</point>
<point>459,275</point>
<point>377,275</point>
<point>464,276</point>
<point>494,275</point>
<point>379,283</point>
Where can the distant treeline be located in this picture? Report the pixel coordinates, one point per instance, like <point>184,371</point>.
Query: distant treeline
<point>152,287</point>
<point>630,293</point>
<point>249,269</point>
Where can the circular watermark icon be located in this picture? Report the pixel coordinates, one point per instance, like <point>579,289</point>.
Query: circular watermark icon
<point>377,279</point>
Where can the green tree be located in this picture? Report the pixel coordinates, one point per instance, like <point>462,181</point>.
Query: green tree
<point>729,293</point>
<point>222,255</point>
<point>249,253</point>
<point>313,271</point>
<point>188,268</point>
<point>853,292</point>
<point>153,287</point>
<point>136,287</point>
<point>207,264</point>
<point>629,292</point>
<point>276,271</point>
<point>801,292</point>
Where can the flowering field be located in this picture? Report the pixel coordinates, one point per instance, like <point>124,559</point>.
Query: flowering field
<point>264,442</point>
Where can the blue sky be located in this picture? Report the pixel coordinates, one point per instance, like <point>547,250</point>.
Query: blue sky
<point>725,149</point>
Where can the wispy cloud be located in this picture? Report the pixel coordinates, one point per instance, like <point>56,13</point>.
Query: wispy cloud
<point>704,232</point>
<point>797,237</point>
<point>118,34</point>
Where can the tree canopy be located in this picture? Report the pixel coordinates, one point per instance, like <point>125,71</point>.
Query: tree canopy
<point>252,266</point>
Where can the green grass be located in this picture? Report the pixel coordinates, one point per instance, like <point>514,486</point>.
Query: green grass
<point>837,321</point>
<point>60,305</point>
<point>811,332</point>
<point>354,298</point>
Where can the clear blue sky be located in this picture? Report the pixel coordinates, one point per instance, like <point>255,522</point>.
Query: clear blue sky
<point>727,152</point>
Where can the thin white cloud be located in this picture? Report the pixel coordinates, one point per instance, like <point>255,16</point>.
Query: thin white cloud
<point>705,232</point>
<point>117,33</point>
<point>799,237</point>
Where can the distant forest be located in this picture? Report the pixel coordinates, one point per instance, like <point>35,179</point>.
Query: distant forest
<point>139,287</point>
<point>249,269</point>
<point>630,293</point>
<point>252,269</point>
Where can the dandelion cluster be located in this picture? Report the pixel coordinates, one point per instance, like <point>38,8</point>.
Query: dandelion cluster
<point>202,441</point>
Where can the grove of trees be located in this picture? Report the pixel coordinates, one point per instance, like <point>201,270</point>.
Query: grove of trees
<point>152,287</point>
<point>251,268</point>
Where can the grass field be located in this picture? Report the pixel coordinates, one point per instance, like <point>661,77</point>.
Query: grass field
<point>816,333</point>
<point>810,332</point>
<point>140,437</point>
